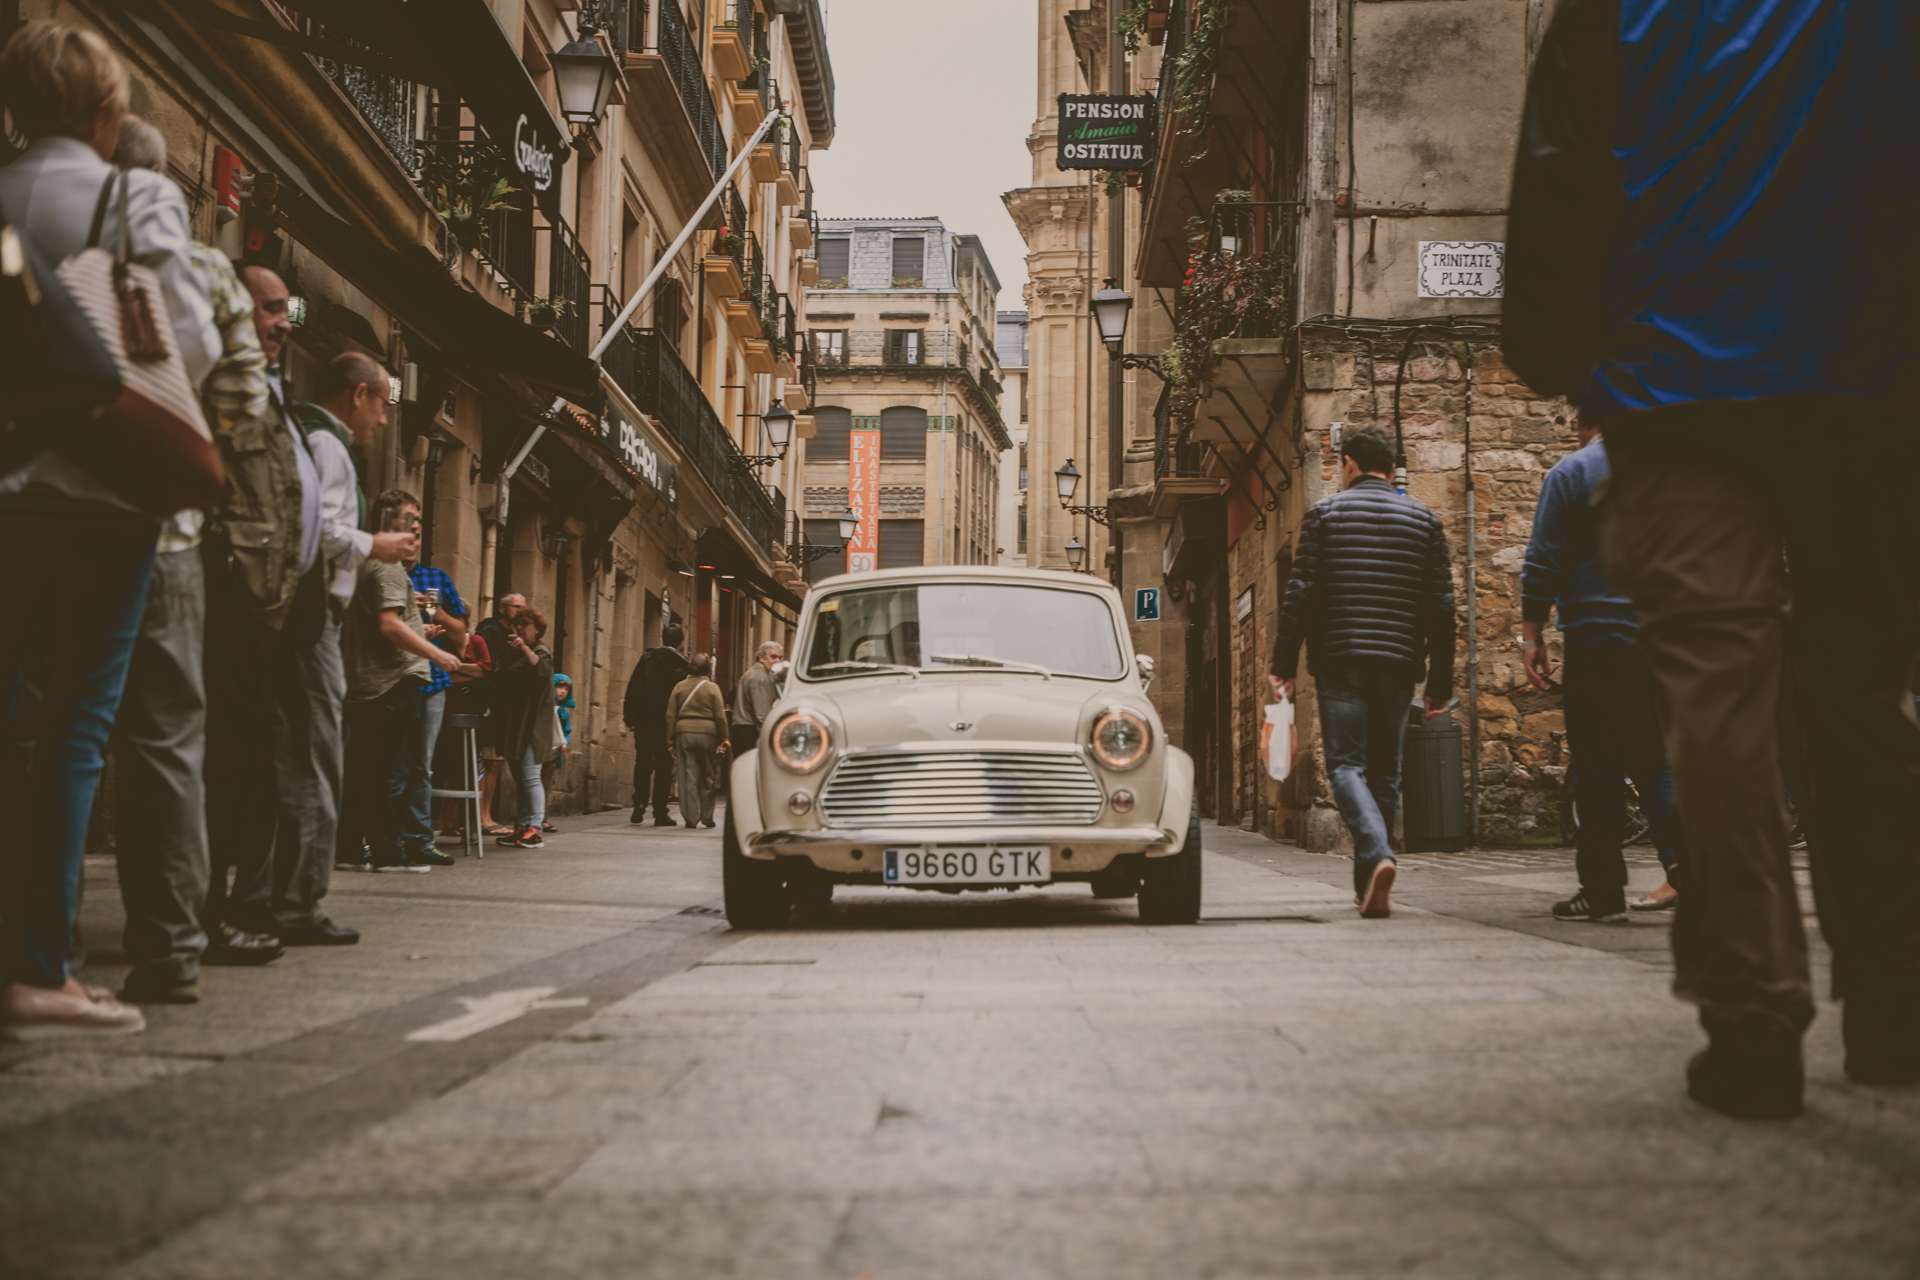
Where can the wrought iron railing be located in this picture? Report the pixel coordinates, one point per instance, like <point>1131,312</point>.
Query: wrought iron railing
<point>389,105</point>
<point>569,273</point>
<point>1171,457</point>
<point>645,366</point>
<point>635,36</point>
<point>1262,237</point>
<point>680,51</point>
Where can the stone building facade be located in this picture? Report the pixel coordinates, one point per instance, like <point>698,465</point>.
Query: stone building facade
<point>1015,471</point>
<point>901,326</point>
<point>1309,155</point>
<point>413,182</point>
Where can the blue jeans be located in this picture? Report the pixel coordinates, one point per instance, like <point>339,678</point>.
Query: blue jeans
<point>81,571</point>
<point>1363,723</point>
<point>419,837</point>
<point>533,790</point>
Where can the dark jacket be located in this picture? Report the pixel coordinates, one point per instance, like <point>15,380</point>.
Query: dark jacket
<point>1563,558</point>
<point>523,703</point>
<point>1370,581</point>
<point>649,687</point>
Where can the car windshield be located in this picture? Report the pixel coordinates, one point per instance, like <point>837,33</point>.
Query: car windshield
<point>963,627</point>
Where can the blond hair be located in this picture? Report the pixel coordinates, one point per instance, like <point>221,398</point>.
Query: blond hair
<point>55,79</point>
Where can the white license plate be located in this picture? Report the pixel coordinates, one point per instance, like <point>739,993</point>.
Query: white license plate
<point>968,864</point>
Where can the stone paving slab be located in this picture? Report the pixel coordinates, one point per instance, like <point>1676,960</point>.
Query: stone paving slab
<point>1014,1085</point>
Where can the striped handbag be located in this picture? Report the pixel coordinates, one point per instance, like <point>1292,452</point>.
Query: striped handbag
<point>149,444</point>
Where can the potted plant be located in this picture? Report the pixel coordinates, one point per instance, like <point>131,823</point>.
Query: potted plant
<point>463,205</point>
<point>727,244</point>
<point>544,313</point>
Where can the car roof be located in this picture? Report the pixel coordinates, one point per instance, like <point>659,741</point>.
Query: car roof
<point>1010,574</point>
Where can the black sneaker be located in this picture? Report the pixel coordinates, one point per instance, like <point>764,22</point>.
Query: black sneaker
<point>400,865</point>
<point>1580,907</point>
<point>432,857</point>
<point>530,838</point>
<point>662,820</point>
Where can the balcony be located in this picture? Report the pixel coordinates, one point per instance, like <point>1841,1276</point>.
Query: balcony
<point>754,94</point>
<point>1245,277</point>
<point>732,54</point>
<point>644,365</point>
<point>1179,467</point>
<point>671,96</point>
<point>793,173</point>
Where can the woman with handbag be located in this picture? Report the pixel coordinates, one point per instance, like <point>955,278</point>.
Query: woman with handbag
<point>696,726</point>
<point>78,522</point>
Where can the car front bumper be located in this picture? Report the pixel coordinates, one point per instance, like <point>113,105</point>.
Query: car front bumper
<point>1073,850</point>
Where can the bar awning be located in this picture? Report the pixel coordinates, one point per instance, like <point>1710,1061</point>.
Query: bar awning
<point>717,549</point>
<point>414,286</point>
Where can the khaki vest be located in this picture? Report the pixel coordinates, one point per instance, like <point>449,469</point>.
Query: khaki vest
<point>256,529</point>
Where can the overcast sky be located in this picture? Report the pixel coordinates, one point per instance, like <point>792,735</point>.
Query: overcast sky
<point>932,104</point>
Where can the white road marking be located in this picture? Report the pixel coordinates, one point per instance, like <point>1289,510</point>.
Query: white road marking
<point>487,1012</point>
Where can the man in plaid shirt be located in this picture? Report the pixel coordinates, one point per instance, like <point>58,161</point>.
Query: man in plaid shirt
<point>446,627</point>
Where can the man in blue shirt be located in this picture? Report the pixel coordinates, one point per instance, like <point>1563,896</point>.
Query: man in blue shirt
<point>1698,251</point>
<point>447,628</point>
<point>1613,720</point>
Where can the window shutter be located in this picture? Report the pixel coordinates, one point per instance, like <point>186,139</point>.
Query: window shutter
<point>829,443</point>
<point>910,259</point>
<point>903,433</point>
<point>902,543</point>
<point>833,259</point>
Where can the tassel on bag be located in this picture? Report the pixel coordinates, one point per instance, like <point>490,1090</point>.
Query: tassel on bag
<point>139,332</point>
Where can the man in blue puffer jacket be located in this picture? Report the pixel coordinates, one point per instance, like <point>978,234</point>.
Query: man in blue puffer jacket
<point>1371,597</point>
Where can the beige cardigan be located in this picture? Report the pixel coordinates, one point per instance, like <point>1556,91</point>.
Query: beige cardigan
<point>695,706</point>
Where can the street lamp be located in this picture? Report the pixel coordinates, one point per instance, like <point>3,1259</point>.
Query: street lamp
<point>804,552</point>
<point>584,72</point>
<point>1110,308</point>
<point>849,525</point>
<point>1075,554</point>
<point>1065,481</point>
<point>778,420</point>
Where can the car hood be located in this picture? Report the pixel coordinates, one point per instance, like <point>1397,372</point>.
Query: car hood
<point>958,708</point>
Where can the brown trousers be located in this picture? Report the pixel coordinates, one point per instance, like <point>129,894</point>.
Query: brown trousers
<point>1769,545</point>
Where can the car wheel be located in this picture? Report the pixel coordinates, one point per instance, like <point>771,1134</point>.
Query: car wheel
<point>1170,886</point>
<point>756,894</point>
<point>1121,880</point>
<point>810,891</point>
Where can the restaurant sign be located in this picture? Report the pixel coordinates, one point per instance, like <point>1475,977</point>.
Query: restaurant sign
<point>863,499</point>
<point>1105,131</point>
<point>634,444</point>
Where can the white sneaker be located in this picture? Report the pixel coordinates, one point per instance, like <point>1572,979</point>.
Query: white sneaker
<point>72,1012</point>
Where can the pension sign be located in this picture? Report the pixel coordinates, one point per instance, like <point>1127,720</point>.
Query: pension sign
<point>1105,131</point>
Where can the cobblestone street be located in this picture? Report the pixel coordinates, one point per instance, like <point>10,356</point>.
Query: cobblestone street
<point>1005,1086</point>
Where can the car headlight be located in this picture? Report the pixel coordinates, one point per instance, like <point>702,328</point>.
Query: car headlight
<point>1121,738</point>
<point>800,741</point>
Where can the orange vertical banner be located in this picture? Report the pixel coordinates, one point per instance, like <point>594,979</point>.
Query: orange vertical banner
<point>863,499</point>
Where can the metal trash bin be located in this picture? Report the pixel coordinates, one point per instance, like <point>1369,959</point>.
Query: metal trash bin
<point>1433,788</point>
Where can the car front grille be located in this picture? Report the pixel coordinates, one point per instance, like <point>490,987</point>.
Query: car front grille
<point>961,788</point>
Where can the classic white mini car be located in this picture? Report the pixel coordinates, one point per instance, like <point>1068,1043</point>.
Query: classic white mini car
<point>962,728</point>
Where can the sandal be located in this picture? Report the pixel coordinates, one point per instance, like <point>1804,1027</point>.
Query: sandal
<point>548,827</point>
<point>499,829</point>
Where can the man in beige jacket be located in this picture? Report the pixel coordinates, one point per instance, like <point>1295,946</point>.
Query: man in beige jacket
<point>696,726</point>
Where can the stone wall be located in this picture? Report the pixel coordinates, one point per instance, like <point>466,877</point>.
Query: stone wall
<point>1513,439</point>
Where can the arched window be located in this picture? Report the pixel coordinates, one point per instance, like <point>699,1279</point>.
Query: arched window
<point>903,432</point>
<point>829,443</point>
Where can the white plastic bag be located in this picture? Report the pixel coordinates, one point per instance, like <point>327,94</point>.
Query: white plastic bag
<point>1277,739</point>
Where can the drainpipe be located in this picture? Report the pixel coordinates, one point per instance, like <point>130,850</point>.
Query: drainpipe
<point>1473,615</point>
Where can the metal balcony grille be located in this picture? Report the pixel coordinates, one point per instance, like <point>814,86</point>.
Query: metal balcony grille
<point>961,788</point>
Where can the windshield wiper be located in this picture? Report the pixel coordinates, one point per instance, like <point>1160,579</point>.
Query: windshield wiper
<point>863,666</point>
<point>969,660</point>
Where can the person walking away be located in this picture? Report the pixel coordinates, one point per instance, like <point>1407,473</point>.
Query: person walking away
<point>753,697</point>
<point>1371,598</point>
<point>439,603</point>
<point>659,671</point>
<point>1613,719</point>
<point>160,739</point>
<point>266,594</point>
<point>74,548</point>
<point>1679,262</point>
<point>494,636</point>
<point>697,721</point>
<point>387,656</point>
<point>523,700</point>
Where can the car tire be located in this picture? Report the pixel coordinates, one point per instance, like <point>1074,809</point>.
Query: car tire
<point>810,891</point>
<point>1121,880</point>
<point>755,891</point>
<point>1170,886</point>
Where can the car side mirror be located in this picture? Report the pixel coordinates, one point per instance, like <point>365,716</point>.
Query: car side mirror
<point>780,672</point>
<point>1144,665</point>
